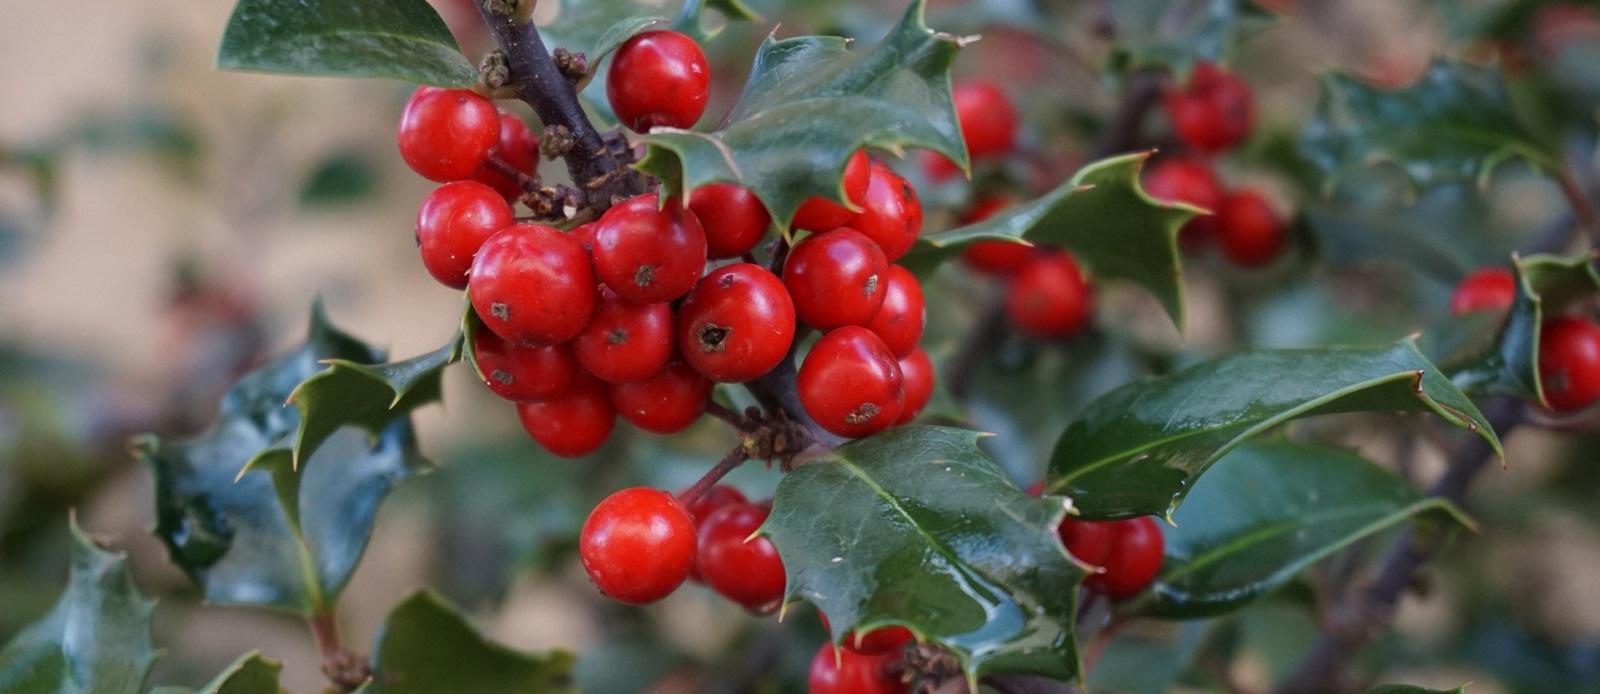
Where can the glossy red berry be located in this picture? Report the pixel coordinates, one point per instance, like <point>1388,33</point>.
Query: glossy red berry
<point>1249,231</point>
<point>637,545</point>
<point>452,224</point>
<point>842,671</point>
<point>518,147</point>
<point>625,342</point>
<point>733,218</point>
<point>1214,111</point>
<point>988,120</point>
<point>532,283</point>
<point>1133,560</point>
<point>743,569</point>
<point>901,318</point>
<point>1088,541</point>
<point>1488,289</point>
<point>1569,362</point>
<point>851,384</point>
<point>665,403</point>
<point>1188,181</point>
<point>646,253</point>
<point>891,213</point>
<point>710,500</point>
<point>574,423</point>
<point>658,78</point>
<point>523,373</point>
<point>737,324</point>
<point>879,641</point>
<point>916,372</point>
<point>1050,297</point>
<point>821,214</point>
<point>447,134</point>
<point>993,257</point>
<point>835,278</point>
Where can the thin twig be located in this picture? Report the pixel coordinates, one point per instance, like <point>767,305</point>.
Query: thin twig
<point>733,459</point>
<point>343,668</point>
<point>527,182</point>
<point>987,331</point>
<point>1582,205</point>
<point>720,411</point>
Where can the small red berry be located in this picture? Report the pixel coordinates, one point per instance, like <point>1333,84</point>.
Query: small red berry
<point>733,218</point>
<point>523,373</point>
<point>625,342</point>
<point>665,403</point>
<point>519,147</point>
<point>993,257</point>
<point>452,224</point>
<point>1134,559</point>
<point>818,213</point>
<point>1488,289</point>
<point>646,253</point>
<point>891,213</point>
<point>1569,362</point>
<point>835,278</point>
<point>572,424</point>
<point>916,372</point>
<point>743,569</point>
<point>901,318</point>
<point>447,134</point>
<point>937,167</point>
<point>1215,111</point>
<point>533,283</point>
<point>988,120</point>
<point>658,78</point>
<point>1089,541</point>
<point>1050,297</point>
<point>842,671</point>
<point>1248,230</point>
<point>637,545</point>
<point>737,324</point>
<point>1188,181</point>
<point>851,384</point>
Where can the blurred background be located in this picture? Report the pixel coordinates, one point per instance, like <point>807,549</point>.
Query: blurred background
<point>164,226</point>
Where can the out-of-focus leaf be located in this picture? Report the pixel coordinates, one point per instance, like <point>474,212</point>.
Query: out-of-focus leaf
<point>252,673</point>
<point>342,178</point>
<point>398,39</point>
<point>1412,689</point>
<point>1177,34</point>
<point>1148,662</point>
<point>1446,232</point>
<point>427,646</point>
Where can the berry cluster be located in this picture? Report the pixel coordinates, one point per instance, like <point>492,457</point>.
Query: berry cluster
<point>1127,552</point>
<point>1569,346</point>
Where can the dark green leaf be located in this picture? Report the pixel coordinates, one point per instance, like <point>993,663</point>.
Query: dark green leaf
<point>915,526</point>
<point>1148,662</point>
<point>96,638</point>
<point>809,104</point>
<point>1265,512</point>
<point>1103,216</point>
<point>344,177</point>
<point>426,646</point>
<point>1177,34</point>
<point>399,39</point>
<point>597,27</point>
<point>252,673</point>
<point>1139,450</point>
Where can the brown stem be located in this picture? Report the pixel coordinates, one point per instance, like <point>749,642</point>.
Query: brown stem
<point>344,669</point>
<point>527,182</point>
<point>733,459</point>
<point>987,332</point>
<point>718,410</point>
<point>1582,205</point>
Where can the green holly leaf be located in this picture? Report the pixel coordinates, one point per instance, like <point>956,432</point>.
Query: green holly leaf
<point>1139,449</point>
<point>1446,231</point>
<point>809,104</point>
<point>1455,124</point>
<point>1103,216</point>
<point>398,39</point>
<point>426,646</point>
<point>95,639</point>
<point>916,527</point>
<point>1177,34</point>
<point>291,538</point>
<point>597,27</point>
<point>1267,511</point>
<point>251,673</point>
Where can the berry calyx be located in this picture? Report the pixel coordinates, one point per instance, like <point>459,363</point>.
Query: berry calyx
<point>625,342</point>
<point>658,78</point>
<point>518,147</point>
<point>523,373</point>
<point>891,213</point>
<point>1133,559</point>
<point>452,224</point>
<point>836,278</point>
<point>637,545</point>
<point>665,403</point>
<point>737,324</point>
<point>532,283</point>
<point>1249,231</point>
<point>1213,112</point>
<point>649,254</point>
<point>818,213</point>
<point>741,568</point>
<point>842,671</point>
<point>1050,298</point>
<point>1487,289</point>
<point>574,423</point>
<point>733,218</point>
<point>916,372</point>
<point>1569,362</point>
<point>447,134</point>
<point>903,315</point>
<point>851,384</point>
<point>1189,181</point>
<point>988,120</point>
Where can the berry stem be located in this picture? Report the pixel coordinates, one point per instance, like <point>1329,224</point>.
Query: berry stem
<point>346,670</point>
<point>509,170</point>
<point>987,332</point>
<point>733,459</point>
<point>720,411</point>
<point>1582,205</point>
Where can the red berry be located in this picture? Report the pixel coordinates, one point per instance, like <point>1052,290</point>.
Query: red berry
<point>637,545</point>
<point>1488,289</point>
<point>584,235</point>
<point>658,78</point>
<point>993,257</point>
<point>1569,362</point>
<point>447,134</point>
<point>988,120</point>
<point>648,254</point>
<point>1214,111</point>
<point>842,671</point>
<point>1050,297</point>
<point>523,373</point>
<point>835,278</point>
<point>733,218</point>
<point>574,423</point>
<point>1133,560</point>
<point>851,384</point>
<point>877,642</point>
<point>1089,541</point>
<point>916,372</point>
<point>821,214</point>
<point>737,324</point>
<point>891,213</point>
<point>533,283</point>
<point>900,319</point>
<point>710,500</point>
<point>452,224</point>
<point>1188,181</point>
<point>1249,231</point>
<point>665,403</point>
<point>625,342</point>
<point>519,147</point>
<point>937,167</point>
<point>743,569</point>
